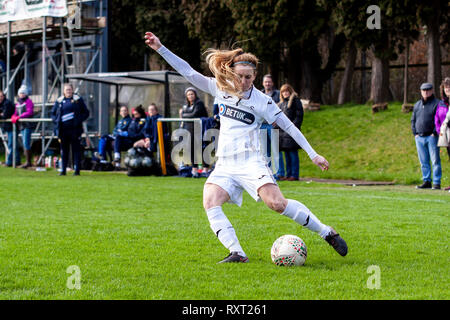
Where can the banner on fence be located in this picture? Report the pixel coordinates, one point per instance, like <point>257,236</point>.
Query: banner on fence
<point>13,10</point>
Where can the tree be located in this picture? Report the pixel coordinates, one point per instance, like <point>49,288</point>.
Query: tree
<point>398,22</point>
<point>204,20</point>
<point>285,35</point>
<point>434,15</point>
<point>133,18</point>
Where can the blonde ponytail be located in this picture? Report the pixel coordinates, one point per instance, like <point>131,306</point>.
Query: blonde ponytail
<point>221,62</point>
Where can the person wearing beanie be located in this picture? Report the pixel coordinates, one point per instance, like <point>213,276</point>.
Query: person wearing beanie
<point>24,109</point>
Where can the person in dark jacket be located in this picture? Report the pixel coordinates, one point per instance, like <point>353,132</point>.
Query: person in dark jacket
<point>270,90</point>
<point>194,108</point>
<point>68,114</point>
<point>6,111</point>
<point>291,105</point>
<point>424,131</point>
<point>150,140</point>
<point>135,132</point>
<point>106,142</point>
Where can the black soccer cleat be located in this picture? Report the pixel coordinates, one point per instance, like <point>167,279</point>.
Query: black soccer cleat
<point>234,257</point>
<point>336,241</point>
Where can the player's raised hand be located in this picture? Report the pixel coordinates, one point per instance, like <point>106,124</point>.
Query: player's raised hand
<point>152,41</point>
<point>321,162</point>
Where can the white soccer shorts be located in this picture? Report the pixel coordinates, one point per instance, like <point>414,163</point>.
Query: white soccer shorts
<point>235,175</point>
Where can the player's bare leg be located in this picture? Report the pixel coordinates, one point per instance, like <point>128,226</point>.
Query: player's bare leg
<point>274,199</point>
<point>213,199</point>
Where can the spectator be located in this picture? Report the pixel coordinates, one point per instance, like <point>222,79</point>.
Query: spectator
<point>442,118</point>
<point>291,105</point>
<point>68,114</point>
<point>125,139</point>
<point>269,89</point>
<point>6,111</point>
<point>194,108</point>
<point>424,130</point>
<point>106,142</point>
<point>150,140</point>
<point>442,109</point>
<point>24,109</point>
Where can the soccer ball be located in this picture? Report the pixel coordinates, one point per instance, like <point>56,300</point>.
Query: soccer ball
<point>147,162</point>
<point>135,163</point>
<point>288,250</point>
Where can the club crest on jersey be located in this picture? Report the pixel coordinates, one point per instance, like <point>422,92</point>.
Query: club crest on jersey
<point>236,114</point>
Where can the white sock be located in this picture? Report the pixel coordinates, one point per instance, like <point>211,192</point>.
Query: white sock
<point>301,214</point>
<point>223,229</point>
<point>116,155</point>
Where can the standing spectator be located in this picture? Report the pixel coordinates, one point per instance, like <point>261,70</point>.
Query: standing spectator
<point>442,118</point>
<point>106,142</point>
<point>442,109</point>
<point>194,108</point>
<point>269,89</point>
<point>68,114</point>
<point>424,130</point>
<point>291,105</point>
<point>6,111</point>
<point>24,109</point>
<point>135,132</point>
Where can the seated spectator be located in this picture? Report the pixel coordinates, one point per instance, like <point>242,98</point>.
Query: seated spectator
<point>150,140</point>
<point>106,142</point>
<point>126,139</point>
<point>24,109</point>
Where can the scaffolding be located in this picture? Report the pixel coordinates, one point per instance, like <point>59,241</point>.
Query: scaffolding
<point>88,35</point>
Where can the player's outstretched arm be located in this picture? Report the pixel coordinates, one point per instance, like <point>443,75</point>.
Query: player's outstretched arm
<point>321,162</point>
<point>285,124</point>
<point>152,41</point>
<point>182,67</point>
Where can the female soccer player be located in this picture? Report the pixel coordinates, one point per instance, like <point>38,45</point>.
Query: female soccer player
<point>240,165</point>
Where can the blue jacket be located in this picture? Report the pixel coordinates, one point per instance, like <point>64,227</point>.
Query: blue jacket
<point>136,129</point>
<point>151,131</point>
<point>122,125</point>
<point>73,109</point>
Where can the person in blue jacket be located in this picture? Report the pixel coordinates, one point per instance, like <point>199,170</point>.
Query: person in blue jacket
<point>68,114</point>
<point>150,141</point>
<point>126,139</point>
<point>105,144</point>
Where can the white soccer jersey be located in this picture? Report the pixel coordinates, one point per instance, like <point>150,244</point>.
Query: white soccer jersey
<point>240,119</point>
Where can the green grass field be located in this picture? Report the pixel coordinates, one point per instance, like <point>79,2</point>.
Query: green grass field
<point>149,238</point>
<point>362,145</point>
